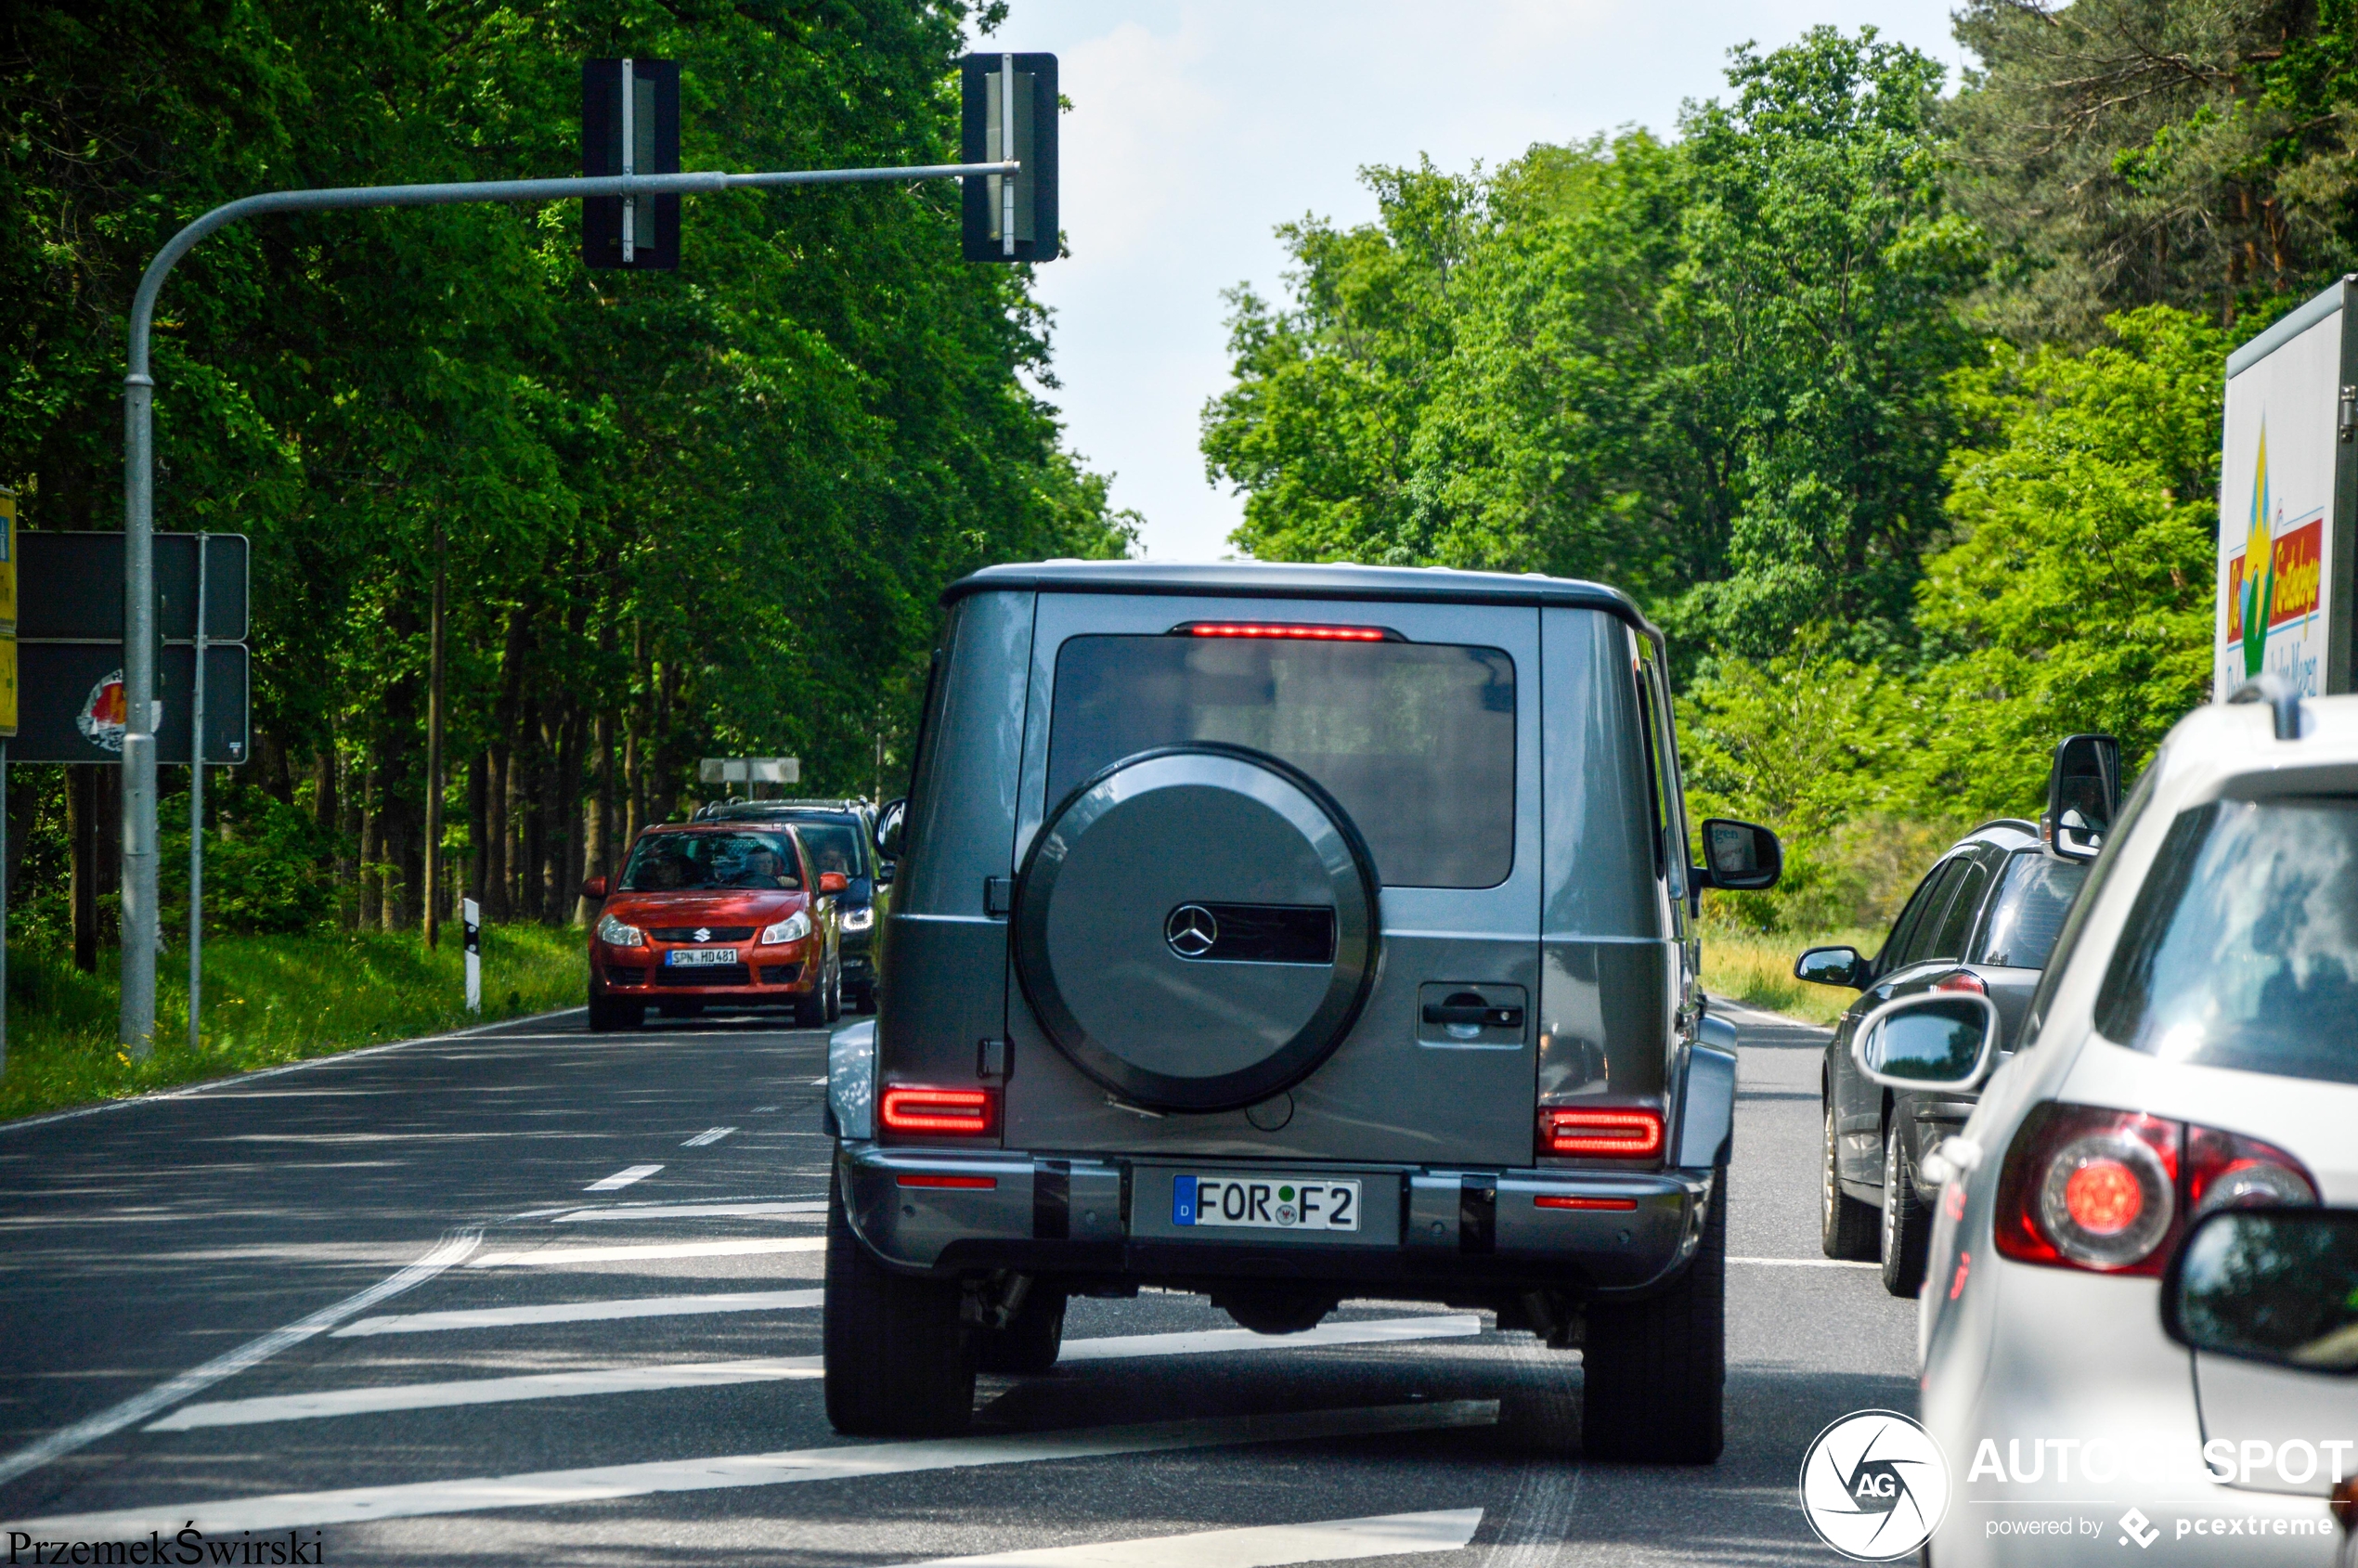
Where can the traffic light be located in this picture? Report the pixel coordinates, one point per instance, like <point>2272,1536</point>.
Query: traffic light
<point>1008,109</point>
<point>640,231</point>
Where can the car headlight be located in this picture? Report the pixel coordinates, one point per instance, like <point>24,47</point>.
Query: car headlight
<point>858,919</point>
<point>792,928</point>
<point>613,933</point>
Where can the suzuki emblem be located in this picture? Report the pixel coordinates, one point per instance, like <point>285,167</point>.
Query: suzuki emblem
<point>704,933</point>
<point>1191,930</point>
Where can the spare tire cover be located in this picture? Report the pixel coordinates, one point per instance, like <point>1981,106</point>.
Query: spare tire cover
<point>1197,928</point>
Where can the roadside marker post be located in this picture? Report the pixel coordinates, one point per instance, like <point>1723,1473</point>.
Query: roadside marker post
<point>470,918</point>
<point>136,1026</point>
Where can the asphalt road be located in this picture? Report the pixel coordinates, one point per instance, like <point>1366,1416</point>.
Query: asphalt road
<point>453,1301</point>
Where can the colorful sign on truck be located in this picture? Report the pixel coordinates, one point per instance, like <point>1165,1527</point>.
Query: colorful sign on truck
<point>2288,502</point>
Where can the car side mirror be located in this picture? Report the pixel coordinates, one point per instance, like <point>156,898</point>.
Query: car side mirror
<point>595,888</point>
<point>833,882</point>
<point>1739,857</point>
<point>1942,1041</point>
<point>2278,1286</point>
<point>2083,796</point>
<point>1832,965</point>
<point>883,874</point>
<point>888,828</point>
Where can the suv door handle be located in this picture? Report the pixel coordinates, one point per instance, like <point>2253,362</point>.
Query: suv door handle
<point>1473,1013</point>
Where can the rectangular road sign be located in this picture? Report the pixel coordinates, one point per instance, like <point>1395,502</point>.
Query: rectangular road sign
<point>74,587</point>
<point>71,707</point>
<point>749,769</point>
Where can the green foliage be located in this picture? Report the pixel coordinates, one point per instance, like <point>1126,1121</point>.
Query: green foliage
<point>265,868</point>
<point>1709,372</point>
<point>267,999</point>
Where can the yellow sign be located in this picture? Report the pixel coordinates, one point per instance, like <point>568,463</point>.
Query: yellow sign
<point>7,683</point>
<point>8,589</point>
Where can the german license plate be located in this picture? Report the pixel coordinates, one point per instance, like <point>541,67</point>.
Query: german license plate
<point>699,957</point>
<point>1265,1202</point>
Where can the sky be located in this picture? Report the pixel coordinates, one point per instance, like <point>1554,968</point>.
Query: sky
<point>1199,126</point>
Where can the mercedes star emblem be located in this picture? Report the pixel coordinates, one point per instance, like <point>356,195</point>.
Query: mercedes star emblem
<point>704,933</point>
<point>1191,930</point>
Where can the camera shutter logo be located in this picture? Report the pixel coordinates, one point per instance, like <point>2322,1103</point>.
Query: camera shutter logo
<point>1191,930</point>
<point>1875,1485</point>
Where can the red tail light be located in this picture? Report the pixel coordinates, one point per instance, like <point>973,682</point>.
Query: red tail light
<point>1308,634</point>
<point>1566,1200</point>
<point>1634,1134</point>
<point>978,1183</point>
<point>959,1112</point>
<point>2110,1191</point>
<point>1963,980</point>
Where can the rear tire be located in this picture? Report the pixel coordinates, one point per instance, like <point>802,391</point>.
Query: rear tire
<point>1028,1345</point>
<point>1655,1370</point>
<point>1845,1226</point>
<point>900,1362</point>
<point>1906,1224</point>
<point>608,1013</point>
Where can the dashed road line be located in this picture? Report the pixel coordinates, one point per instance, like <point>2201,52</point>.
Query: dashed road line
<point>1803,1262</point>
<point>800,1207</point>
<point>555,1257</point>
<point>623,1178</point>
<point>583,1311</point>
<point>1264,1546</point>
<point>567,1487</point>
<point>709,1135</point>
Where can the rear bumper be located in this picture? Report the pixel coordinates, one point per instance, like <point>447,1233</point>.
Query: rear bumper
<point>1425,1233</point>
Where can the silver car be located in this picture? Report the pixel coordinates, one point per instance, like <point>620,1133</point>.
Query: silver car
<point>2193,1047</point>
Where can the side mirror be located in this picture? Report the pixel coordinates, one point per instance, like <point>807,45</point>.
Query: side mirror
<point>595,888</point>
<point>2274,1285</point>
<point>833,882</point>
<point>888,828</point>
<point>2083,795</point>
<point>1739,857</point>
<point>1942,1041</point>
<point>883,874</point>
<point>1832,965</point>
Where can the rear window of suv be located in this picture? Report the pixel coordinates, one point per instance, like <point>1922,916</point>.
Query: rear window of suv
<point>1415,741</point>
<point>2242,948</point>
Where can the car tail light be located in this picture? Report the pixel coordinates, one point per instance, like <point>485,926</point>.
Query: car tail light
<point>1567,1200</point>
<point>2110,1190</point>
<point>959,1112</point>
<point>979,1184</point>
<point>1963,980</point>
<point>1633,1133</point>
<point>1307,633</point>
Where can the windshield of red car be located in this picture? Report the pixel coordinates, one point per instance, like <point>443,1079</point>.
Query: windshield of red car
<point>670,862</point>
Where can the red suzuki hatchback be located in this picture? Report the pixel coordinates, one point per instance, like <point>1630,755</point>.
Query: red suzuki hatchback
<point>719,913</point>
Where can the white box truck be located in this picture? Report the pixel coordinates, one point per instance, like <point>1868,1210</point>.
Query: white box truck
<point>2289,501</point>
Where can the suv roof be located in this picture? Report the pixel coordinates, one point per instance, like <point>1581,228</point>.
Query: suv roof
<point>1269,580</point>
<point>715,810</point>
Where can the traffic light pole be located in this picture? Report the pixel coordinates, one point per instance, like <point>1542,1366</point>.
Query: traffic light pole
<point>142,917</point>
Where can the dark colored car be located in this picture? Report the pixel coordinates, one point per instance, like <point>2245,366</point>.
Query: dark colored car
<point>1290,933</point>
<point>707,914</point>
<point>840,836</point>
<point>1983,920</point>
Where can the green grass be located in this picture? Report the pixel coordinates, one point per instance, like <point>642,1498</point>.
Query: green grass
<point>267,999</point>
<point>1757,970</point>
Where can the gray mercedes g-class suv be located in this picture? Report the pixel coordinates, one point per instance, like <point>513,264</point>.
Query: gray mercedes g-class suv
<point>1288,934</point>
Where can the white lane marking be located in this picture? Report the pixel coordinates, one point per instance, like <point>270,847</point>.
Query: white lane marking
<point>583,1311</point>
<point>1212,1342</point>
<point>1265,1546</point>
<point>709,1135</point>
<point>623,1178</point>
<point>486,1391</point>
<point>758,1109</point>
<point>548,1257</point>
<point>239,1080</point>
<point>708,1374</point>
<point>1803,1262</point>
<point>252,1353</point>
<point>696,1211</point>
<point>818,1083</point>
<point>565,1487</point>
